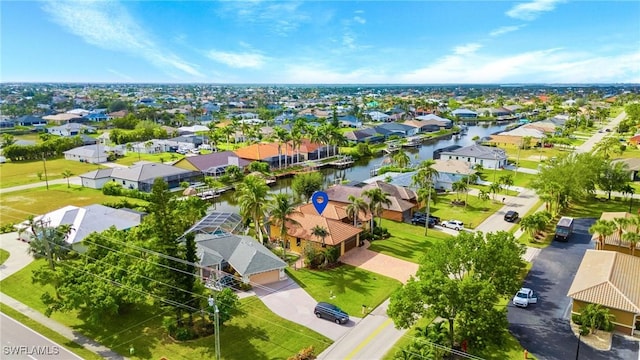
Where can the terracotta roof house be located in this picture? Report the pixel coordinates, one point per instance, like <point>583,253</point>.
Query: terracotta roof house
<point>227,252</point>
<point>402,199</point>
<point>610,279</point>
<point>213,164</point>
<point>615,241</point>
<point>335,211</point>
<point>487,156</point>
<point>340,235</point>
<point>634,140</point>
<point>140,176</point>
<point>269,152</point>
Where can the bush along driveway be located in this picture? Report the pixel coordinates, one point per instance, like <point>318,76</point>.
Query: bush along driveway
<point>544,329</point>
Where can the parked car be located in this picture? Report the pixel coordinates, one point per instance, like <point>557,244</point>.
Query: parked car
<point>331,312</point>
<point>421,214</point>
<point>453,224</point>
<point>524,297</point>
<point>511,216</point>
<point>421,220</point>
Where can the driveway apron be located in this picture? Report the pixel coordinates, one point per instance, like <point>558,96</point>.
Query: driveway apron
<point>380,263</point>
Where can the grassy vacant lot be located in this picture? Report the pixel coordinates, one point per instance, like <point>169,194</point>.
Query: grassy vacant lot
<point>351,287</point>
<point>17,206</point>
<point>4,255</point>
<point>473,215</point>
<point>594,207</point>
<point>407,242</point>
<point>26,172</point>
<point>529,164</point>
<point>133,157</point>
<point>36,326</point>
<point>519,179</point>
<point>251,335</point>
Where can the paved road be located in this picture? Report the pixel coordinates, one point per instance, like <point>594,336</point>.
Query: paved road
<point>595,138</point>
<point>20,342</point>
<point>543,329</point>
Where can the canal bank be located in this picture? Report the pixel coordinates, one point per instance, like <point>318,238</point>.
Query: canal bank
<point>361,169</point>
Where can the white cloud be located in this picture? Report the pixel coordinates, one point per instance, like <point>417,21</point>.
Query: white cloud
<point>531,10</point>
<point>554,65</point>
<point>359,19</point>
<point>280,17</point>
<point>237,60</point>
<point>109,26</point>
<point>504,30</point>
<point>466,49</point>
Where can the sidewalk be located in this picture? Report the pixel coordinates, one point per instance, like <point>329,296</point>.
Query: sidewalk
<point>18,259</point>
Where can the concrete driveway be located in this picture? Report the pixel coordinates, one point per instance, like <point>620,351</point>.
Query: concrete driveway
<point>380,263</point>
<point>543,329</point>
<point>288,300</point>
<point>18,254</point>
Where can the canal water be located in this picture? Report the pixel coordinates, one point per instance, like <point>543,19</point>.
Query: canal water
<point>362,168</point>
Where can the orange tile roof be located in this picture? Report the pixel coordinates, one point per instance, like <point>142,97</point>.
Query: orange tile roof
<point>258,151</point>
<point>334,210</point>
<point>338,231</point>
<point>608,278</point>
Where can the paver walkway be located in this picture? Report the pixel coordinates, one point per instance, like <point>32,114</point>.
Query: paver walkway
<point>379,263</point>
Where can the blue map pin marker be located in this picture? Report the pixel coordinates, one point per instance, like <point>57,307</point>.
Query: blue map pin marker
<point>320,199</point>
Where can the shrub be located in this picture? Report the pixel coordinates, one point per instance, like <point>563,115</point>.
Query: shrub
<point>169,324</point>
<point>184,333</point>
<point>112,188</point>
<point>304,354</point>
<point>7,228</point>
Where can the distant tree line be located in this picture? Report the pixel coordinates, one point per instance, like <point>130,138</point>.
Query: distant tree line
<point>50,148</point>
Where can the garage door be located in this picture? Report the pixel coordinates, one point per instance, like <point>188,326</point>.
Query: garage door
<point>349,244</point>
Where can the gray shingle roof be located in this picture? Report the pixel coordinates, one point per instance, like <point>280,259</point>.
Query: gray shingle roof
<point>479,152</point>
<point>147,171</point>
<point>243,253</point>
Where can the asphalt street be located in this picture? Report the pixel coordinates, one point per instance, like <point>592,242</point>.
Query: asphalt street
<point>20,342</point>
<point>544,328</point>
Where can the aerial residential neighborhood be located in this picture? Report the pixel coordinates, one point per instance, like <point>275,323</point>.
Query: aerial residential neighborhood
<point>331,180</point>
<point>235,222</point>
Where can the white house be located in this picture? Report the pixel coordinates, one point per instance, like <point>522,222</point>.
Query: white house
<point>94,154</point>
<point>450,171</point>
<point>70,129</point>
<point>486,156</point>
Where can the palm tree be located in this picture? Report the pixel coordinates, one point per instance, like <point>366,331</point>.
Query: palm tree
<point>506,180</point>
<point>253,197</point>
<point>483,196</point>
<point>377,198</point>
<point>621,224</point>
<point>283,137</point>
<point>608,146</point>
<point>357,206</point>
<point>425,178</point>
<point>603,228</point>
<point>459,186</point>
<point>67,174</point>
<point>49,242</point>
<point>281,210</point>
<point>633,239</point>
<point>401,159</point>
<point>494,188</point>
<point>318,136</point>
<point>320,232</point>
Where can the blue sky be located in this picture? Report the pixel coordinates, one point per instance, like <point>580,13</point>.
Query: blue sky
<point>338,42</point>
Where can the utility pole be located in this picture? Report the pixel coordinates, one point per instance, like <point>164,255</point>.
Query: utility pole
<point>216,314</point>
<point>44,164</point>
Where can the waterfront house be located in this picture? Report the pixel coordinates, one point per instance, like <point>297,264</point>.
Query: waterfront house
<point>390,129</point>
<point>213,164</point>
<point>140,176</point>
<point>486,156</point>
<point>463,113</point>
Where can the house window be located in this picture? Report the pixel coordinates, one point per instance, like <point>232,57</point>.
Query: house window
<point>297,241</point>
<point>123,182</point>
<point>324,245</point>
<point>457,158</point>
<point>468,159</point>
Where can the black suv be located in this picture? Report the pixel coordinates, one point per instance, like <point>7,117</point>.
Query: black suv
<point>421,220</point>
<point>511,216</point>
<point>331,312</point>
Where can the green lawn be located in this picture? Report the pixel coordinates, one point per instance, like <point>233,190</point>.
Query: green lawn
<point>26,172</point>
<point>52,335</point>
<point>594,207</point>
<point>502,192</point>
<point>473,215</point>
<point>519,179</point>
<point>17,206</point>
<point>407,242</point>
<point>4,255</point>
<point>134,157</point>
<point>346,286</point>
<point>529,164</point>
<point>251,335</point>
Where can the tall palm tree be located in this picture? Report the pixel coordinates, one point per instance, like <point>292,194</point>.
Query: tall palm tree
<point>282,136</point>
<point>401,159</point>
<point>425,178</point>
<point>296,141</point>
<point>494,188</point>
<point>633,239</point>
<point>49,242</point>
<point>253,197</point>
<point>603,228</point>
<point>377,199</point>
<point>281,210</point>
<point>459,186</point>
<point>318,136</point>
<point>621,224</point>
<point>357,206</point>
